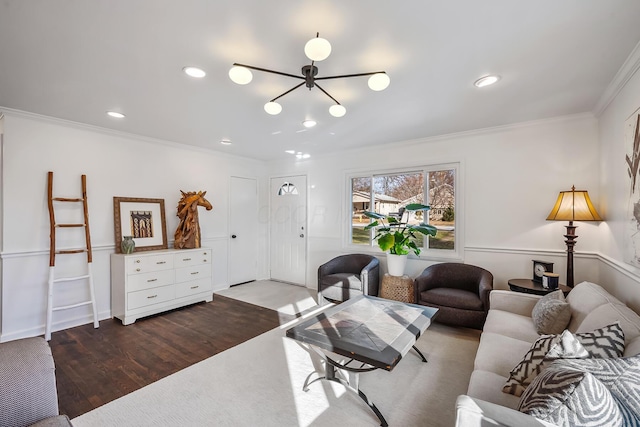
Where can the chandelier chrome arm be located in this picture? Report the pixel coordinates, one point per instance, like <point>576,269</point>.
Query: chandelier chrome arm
<point>327,93</point>
<point>267,70</point>
<point>350,75</point>
<point>290,90</point>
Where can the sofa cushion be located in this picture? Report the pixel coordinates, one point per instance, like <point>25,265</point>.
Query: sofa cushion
<point>575,392</point>
<point>610,313</point>
<point>510,325</point>
<point>501,362</point>
<point>551,314</point>
<point>486,386</point>
<point>605,342</point>
<point>584,298</point>
<point>546,349</point>
<point>451,297</point>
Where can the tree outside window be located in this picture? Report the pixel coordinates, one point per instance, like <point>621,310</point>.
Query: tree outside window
<point>389,193</point>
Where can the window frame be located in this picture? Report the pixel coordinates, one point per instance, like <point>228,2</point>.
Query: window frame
<point>426,252</point>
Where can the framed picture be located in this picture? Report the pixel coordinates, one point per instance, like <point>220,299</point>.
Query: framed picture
<point>143,219</point>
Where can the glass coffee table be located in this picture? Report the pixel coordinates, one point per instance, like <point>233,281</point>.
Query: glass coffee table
<point>363,334</point>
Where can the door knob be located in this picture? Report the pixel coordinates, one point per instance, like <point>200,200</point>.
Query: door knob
<point>233,236</point>
<point>302,235</point>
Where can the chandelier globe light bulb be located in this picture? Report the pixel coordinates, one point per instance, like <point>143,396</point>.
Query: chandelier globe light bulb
<point>317,49</point>
<point>337,110</point>
<point>379,81</point>
<point>240,75</point>
<point>272,108</point>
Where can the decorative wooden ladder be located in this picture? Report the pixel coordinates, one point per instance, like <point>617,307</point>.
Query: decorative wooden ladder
<point>88,277</point>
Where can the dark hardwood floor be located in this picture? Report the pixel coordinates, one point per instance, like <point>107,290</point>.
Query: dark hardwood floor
<point>96,366</point>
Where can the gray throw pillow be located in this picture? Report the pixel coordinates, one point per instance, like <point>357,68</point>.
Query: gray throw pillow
<point>570,397</point>
<point>545,350</point>
<point>551,314</point>
<point>604,343</point>
<point>584,392</point>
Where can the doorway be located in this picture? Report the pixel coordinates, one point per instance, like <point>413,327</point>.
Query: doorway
<point>243,230</point>
<point>288,229</point>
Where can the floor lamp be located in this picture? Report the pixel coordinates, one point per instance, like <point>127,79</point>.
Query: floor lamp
<point>573,205</point>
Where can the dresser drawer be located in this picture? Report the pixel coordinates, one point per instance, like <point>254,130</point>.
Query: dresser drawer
<point>150,296</point>
<point>193,257</point>
<point>145,264</point>
<point>154,279</point>
<point>192,273</point>
<point>193,287</point>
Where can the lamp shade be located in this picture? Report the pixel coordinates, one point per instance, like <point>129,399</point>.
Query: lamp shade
<point>317,49</point>
<point>379,81</point>
<point>574,205</point>
<point>240,75</point>
<point>272,108</point>
<point>337,110</point>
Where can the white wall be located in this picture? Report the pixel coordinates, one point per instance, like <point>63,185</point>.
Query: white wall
<point>510,176</point>
<point>115,165</point>
<point>616,274</point>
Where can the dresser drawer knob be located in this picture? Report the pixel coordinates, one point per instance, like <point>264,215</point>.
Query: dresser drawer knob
<point>137,269</point>
<point>152,296</point>
<point>161,262</point>
<point>195,272</point>
<point>195,287</point>
<point>137,261</point>
<point>186,259</point>
<point>152,280</point>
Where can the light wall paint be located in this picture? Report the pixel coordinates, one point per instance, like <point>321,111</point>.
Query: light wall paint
<point>510,178</point>
<point>115,165</point>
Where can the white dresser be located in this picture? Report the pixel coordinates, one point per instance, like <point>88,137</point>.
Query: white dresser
<point>145,283</point>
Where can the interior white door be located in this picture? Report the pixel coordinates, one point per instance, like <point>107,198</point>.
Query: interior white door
<point>243,230</point>
<point>288,229</point>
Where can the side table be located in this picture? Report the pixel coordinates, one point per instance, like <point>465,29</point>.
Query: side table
<point>528,286</point>
<point>398,288</point>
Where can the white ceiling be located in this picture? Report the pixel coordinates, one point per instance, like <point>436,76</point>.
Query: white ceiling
<point>76,59</point>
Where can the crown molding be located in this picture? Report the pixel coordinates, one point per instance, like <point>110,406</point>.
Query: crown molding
<point>624,74</point>
<point>118,134</point>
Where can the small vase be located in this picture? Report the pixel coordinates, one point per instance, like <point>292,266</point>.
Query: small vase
<point>128,245</point>
<point>396,264</point>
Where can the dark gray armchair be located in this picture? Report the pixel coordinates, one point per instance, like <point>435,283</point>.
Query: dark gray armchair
<point>347,276</point>
<point>459,291</point>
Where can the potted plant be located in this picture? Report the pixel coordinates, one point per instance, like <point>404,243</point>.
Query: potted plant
<point>398,237</point>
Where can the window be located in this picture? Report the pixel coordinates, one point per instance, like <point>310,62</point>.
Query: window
<point>287,189</point>
<point>388,193</point>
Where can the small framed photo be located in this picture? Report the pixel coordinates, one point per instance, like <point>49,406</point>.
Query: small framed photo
<point>143,219</point>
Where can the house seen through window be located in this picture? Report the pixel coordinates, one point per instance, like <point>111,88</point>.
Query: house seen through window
<point>389,193</point>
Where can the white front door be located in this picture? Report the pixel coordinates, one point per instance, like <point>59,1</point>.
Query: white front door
<point>243,230</point>
<point>289,229</point>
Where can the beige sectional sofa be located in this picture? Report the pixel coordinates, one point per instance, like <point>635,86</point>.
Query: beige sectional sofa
<point>509,333</point>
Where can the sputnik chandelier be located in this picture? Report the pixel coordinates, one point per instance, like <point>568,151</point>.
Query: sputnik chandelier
<point>316,49</point>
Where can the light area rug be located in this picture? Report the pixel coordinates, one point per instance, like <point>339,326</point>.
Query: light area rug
<point>281,297</point>
<point>259,383</point>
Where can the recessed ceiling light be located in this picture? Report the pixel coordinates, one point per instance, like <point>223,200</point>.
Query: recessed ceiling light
<point>486,81</point>
<point>115,114</point>
<point>225,142</point>
<point>194,72</point>
<point>309,123</point>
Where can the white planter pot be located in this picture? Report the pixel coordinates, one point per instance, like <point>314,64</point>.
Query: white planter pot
<point>396,264</point>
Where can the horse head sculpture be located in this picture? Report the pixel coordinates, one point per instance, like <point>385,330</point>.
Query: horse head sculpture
<point>187,234</point>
